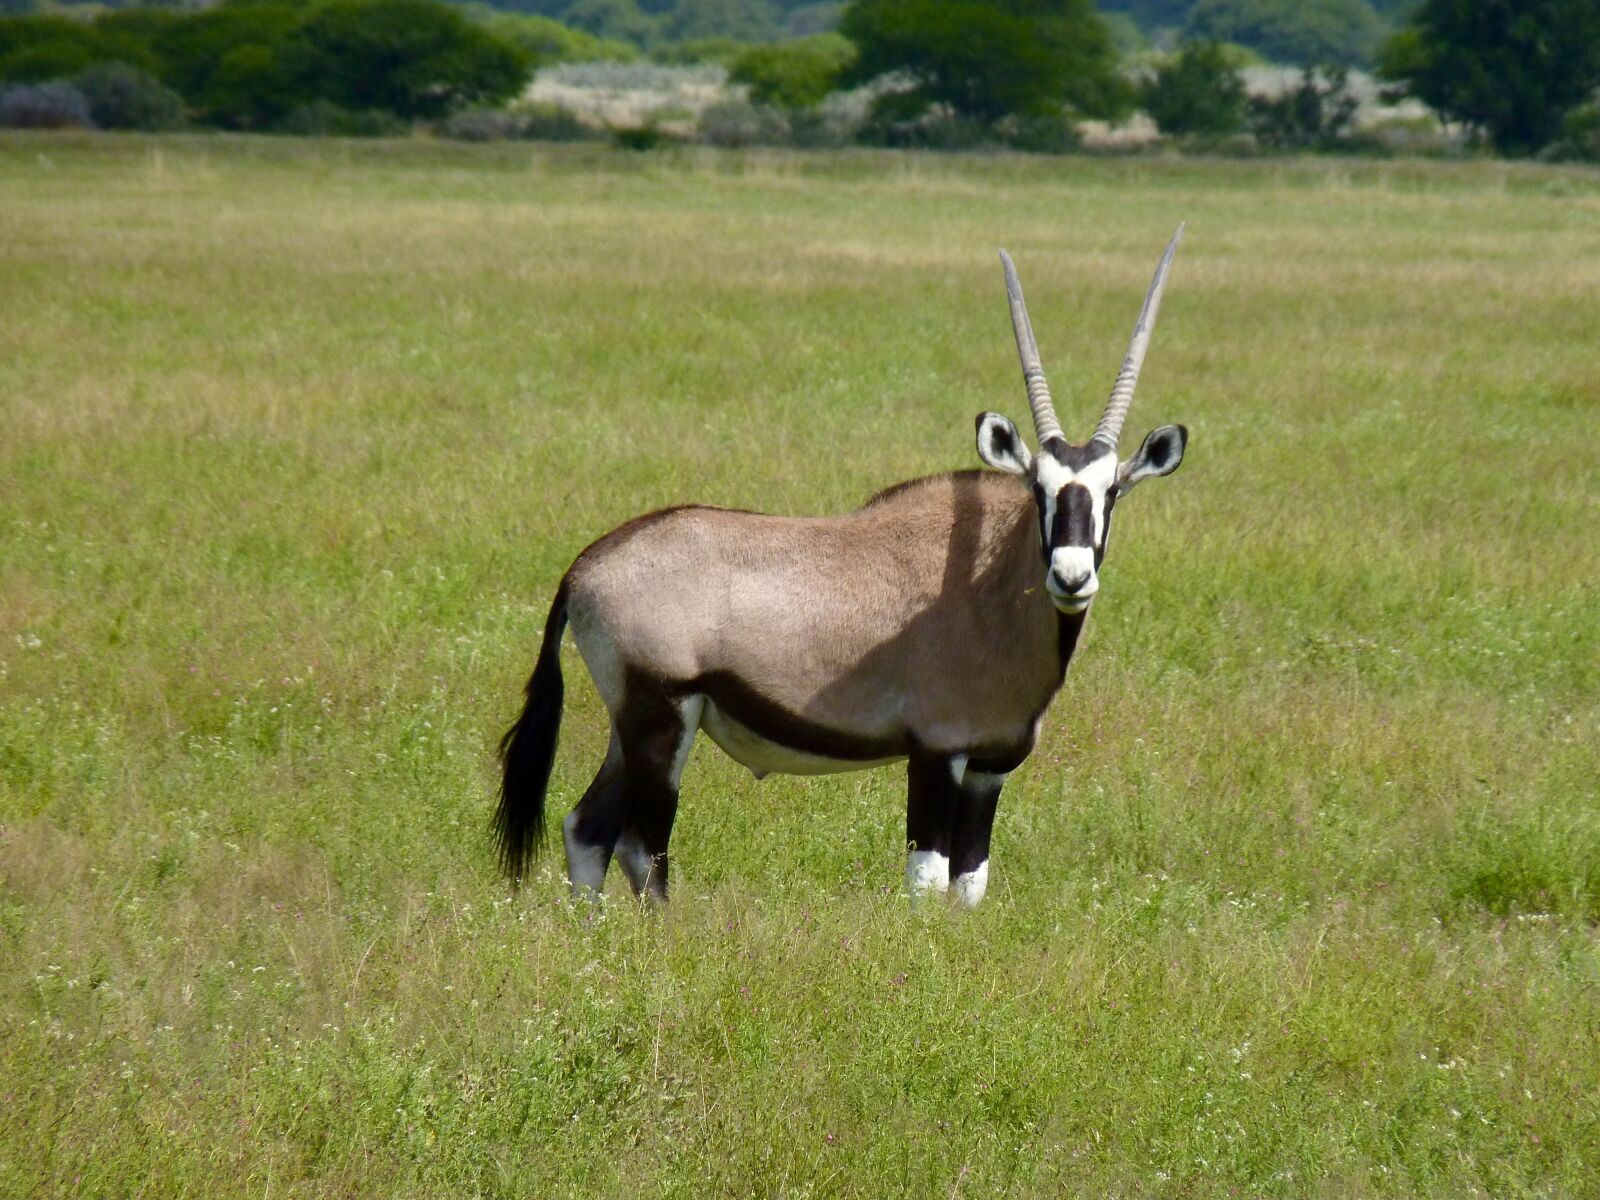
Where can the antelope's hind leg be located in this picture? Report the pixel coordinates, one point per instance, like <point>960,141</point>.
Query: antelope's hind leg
<point>590,830</point>
<point>657,732</point>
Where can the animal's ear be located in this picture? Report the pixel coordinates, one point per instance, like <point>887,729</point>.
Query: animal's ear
<point>1160,455</point>
<point>1001,446</point>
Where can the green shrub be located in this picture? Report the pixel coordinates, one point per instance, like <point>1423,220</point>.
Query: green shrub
<point>1580,137</point>
<point>1512,71</point>
<point>44,106</point>
<point>795,74</point>
<point>481,125</point>
<point>418,59</point>
<point>36,49</point>
<point>735,123</point>
<point>988,60</point>
<point>121,96</point>
<point>254,86</point>
<point>824,126</point>
<point>643,137</point>
<point>905,120</point>
<point>53,60</point>
<point>323,118</point>
<point>547,41</point>
<point>1197,90</point>
<point>1314,115</point>
<point>192,47</point>
<point>546,121</point>
<point>543,122</point>
<point>1042,133</point>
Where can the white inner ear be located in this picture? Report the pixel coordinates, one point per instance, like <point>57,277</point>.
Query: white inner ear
<point>1015,459</point>
<point>1139,467</point>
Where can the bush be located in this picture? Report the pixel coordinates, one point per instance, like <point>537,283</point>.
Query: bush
<point>255,86</point>
<point>644,137</point>
<point>549,122</point>
<point>481,125</point>
<point>414,58</point>
<point>49,60</point>
<point>825,126</point>
<point>904,120</point>
<point>45,48</point>
<point>124,97</point>
<point>548,41</point>
<point>1314,115</point>
<point>44,106</point>
<point>736,123</point>
<point>986,59</point>
<point>1512,71</point>
<point>323,118</point>
<point>1052,133</point>
<point>542,122</point>
<point>797,74</point>
<point>192,49</point>
<point>1198,90</point>
<point>1580,137</point>
<point>636,76</point>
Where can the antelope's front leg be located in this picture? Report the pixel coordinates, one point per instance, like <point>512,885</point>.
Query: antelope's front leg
<point>969,838</point>
<point>949,817</point>
<point>933,796</point>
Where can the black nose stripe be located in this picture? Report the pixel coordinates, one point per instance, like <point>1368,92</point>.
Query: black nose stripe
<point>1074,525</point>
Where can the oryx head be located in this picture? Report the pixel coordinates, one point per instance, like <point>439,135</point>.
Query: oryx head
<point>1075,486</point>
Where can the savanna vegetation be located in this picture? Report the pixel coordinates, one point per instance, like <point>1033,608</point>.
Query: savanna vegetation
<point>1298,895</point>
<point>1523,79</point>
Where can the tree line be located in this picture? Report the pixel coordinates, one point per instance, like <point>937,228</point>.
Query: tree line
<point>1521,74</point>
<point>251,64</point>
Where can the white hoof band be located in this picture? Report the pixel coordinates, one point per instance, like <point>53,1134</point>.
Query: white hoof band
<point>971,885</point>
<point>927,871</point>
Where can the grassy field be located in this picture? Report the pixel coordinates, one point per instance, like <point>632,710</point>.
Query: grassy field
<point>1298,896</point>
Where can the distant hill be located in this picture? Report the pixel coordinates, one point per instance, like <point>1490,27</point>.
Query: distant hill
<point>1308,32</point>
<point>1303,32</point>
<point>654,22</point>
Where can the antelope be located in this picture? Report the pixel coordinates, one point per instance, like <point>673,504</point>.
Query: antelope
<point>934,624</point>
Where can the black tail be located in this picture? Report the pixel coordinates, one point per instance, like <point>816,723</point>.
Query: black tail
<point>528,751</point>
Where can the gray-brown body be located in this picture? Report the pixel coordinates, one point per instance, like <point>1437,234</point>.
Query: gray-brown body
<point>827,643</point>
<point>934,624</point>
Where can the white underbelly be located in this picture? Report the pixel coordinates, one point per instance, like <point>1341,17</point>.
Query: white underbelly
<point>763,757</point>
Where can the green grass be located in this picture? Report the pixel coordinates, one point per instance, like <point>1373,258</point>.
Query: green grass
<point>1298,896</point>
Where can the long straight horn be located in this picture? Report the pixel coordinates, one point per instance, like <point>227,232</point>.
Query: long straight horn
<point>1110,427</point>
<point>1044,413</point>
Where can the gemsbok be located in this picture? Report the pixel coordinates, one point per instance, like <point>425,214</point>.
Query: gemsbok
<point>933,624</point>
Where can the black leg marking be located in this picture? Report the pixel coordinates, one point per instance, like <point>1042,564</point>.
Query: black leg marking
<point>656,733</point>
<point>932,796</point>
<point>969,842</point>
<point>591,828</point>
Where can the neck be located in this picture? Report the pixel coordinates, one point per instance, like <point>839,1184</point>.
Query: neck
<point>1024,571</point>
